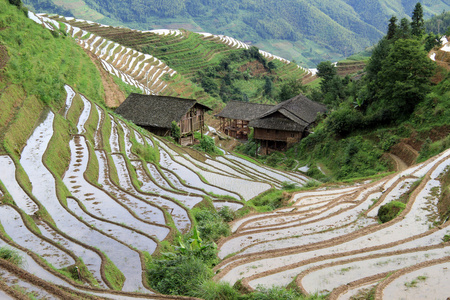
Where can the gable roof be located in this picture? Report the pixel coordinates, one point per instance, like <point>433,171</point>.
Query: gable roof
<point>298,109</point>
<point>246,111</point>
<point>297,114</point>
<point>155,111</point>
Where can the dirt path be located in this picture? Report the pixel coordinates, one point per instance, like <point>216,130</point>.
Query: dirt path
<point>400,165</point>
<point>113,95</point>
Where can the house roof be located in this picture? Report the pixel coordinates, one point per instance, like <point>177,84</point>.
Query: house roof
<point>297,113</point>
<point>246,111</point>
<point>298,107</point>
<point>155,111</point>
<point>278,124</point>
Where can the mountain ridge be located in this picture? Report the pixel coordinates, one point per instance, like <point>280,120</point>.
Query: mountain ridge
<point>329,30</point>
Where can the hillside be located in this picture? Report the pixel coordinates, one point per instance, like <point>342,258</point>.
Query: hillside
<point>175,62</point>
<point>93,207</point>
<point>305,31</point>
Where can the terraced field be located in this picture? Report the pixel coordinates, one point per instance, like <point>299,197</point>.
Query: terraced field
<point>111,207</point>
<point>124,53</point>
<point>329,240</point>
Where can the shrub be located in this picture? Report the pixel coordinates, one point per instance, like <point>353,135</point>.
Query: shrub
<point>270,200</point>
<point>207,145</point>
<point>389,211</point>
<point>211,224</point>
<point>175,131</point>
<point>211,290</point>
<point>286,185</point>
<point>182,275</point>
<point>275,292</point>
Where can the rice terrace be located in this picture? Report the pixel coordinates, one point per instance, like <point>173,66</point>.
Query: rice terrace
<point>94,207</point>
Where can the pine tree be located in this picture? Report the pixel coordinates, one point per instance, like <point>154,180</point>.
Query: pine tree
<point>392,28</point>
<point>417,24</point>
<point>404,31</point>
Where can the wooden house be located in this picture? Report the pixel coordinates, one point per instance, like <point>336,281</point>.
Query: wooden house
<point>286,123</point>
<point>156,113</point>
<point>234,118</point>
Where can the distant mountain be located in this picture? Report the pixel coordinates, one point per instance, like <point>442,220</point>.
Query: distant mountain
<point>308,31</point>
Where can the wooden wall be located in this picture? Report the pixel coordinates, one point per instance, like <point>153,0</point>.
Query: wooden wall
<point>277,135</point>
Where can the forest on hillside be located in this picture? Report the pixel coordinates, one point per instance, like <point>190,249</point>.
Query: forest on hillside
<point>401,96</point>
<point>344,27</point>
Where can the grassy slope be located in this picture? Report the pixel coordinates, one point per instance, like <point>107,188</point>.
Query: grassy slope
<point>35,75</point>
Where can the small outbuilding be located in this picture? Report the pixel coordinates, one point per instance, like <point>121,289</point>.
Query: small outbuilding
<point>234,118</point>
<point>156,113</point>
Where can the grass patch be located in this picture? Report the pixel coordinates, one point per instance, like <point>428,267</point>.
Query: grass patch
<point>390,211</point>
<point>114,276</point>
<point>11,255</point>
<point>415,282</point>
<point>270,200</point>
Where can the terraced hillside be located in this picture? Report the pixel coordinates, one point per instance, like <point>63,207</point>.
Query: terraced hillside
<point>160,61</point>
<point>329,240</point>
<point>110,203</point>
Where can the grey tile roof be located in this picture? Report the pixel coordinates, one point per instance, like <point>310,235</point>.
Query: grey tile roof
<point>155,111</point>
<point>246,111</point>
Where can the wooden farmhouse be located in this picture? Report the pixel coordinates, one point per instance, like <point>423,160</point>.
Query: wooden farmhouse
<point>156,113</point>
<point>286,123</point>
<point>234,118</point>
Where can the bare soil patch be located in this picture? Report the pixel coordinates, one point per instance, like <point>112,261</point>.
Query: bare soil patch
<point>403,152</point>
<point>4,57</point>
<point>255,67</point>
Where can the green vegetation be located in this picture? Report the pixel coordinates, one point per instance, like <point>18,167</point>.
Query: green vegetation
<point>401,94</point>
<point>308,32</point>
<point>146,152</point>
<point>126,88</point>
<point>113,275</point>
<point>11,255</point>
<point>390,211</point>
<point>208,145</point>
<point>414,282</point>
<point>446,238</point>
<point>37,69</point>
<point>175,131</point>
<point>212,224</point>
<point>270,200</point>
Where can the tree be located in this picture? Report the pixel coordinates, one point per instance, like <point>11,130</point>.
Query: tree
<point>392,28</point>
<point>289,89</point>
<point>331,85</point>
<point>268,86</point>
<point>404,31</point>
<point>17,3</point>
<point>326,70</point>
<point>404,78</point>
<point>431,41</point>
<point>417,24</point>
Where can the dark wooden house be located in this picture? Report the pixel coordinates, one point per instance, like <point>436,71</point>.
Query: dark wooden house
<point>156,113</point>
<point>234,118</point>
<point>286,123</point>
